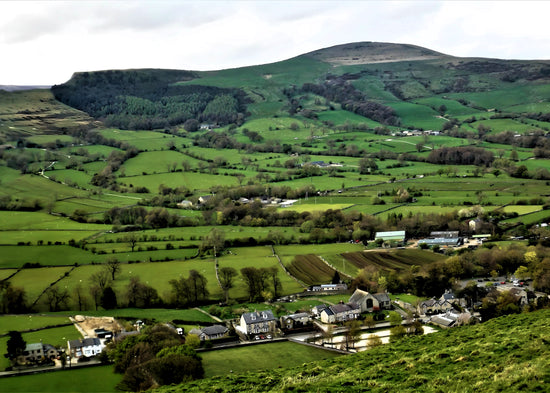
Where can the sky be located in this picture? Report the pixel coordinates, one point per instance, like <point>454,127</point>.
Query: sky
<point>45,42</point>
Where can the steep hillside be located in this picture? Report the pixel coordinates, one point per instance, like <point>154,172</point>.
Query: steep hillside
<point>385,84</point>
<point>509,354</point>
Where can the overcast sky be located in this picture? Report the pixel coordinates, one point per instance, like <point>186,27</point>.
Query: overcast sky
<point>44,42</point>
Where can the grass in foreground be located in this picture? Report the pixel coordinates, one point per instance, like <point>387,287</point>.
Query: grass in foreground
<point>87,379</point>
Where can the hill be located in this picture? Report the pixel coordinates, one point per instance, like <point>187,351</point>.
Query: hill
<point>508,354</point>
<point>384,84</point>
<point>373,52</point>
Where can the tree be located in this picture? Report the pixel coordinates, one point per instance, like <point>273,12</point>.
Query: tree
<point>15,346</point>
<point>141,295</point>
<point>197,286</point>
<point>113,267</point>
<point>336,277</point>
<point>132,240</point>
<point>227,276</point>
<point>273,274</point>
<point>395,319</point>
<point>522,273</point>
<point>80,299</point>
<point>353,333</point>
<point>57,298</point>
<point>253,279</point>
<point>215,240</point>
<point>12,299</point>
<point>397,333</point>
<point>374,341</point>
<point>191,125</point>
<point>369,322</point>
<point>108,299</point>
<point>180,291</point>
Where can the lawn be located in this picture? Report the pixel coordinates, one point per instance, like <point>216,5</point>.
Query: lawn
<point>261,357</point>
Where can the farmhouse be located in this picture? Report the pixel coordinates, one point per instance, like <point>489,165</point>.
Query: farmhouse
<point>210,332</point>
<point>398,236</point>
<point>369,302</point>
<point>87,347</point>
<point>295,321</point>
<point>340,313</point>
<point>257,322</point>
<point>37,353</point>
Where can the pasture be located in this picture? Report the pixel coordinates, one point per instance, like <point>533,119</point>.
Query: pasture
<point>266,356</point>
<point>100,379</point>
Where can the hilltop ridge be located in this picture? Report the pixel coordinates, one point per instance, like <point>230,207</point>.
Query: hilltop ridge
<point>373,52</point>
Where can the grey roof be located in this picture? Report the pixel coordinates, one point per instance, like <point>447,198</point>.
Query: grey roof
<point>382,297</point>
<point>358,296</point>
<point>341,308</point>
<point>258,316</point>
<point>298,315</point>
<point>214,329</point>
<point>441,241</point>
<point>33,347</point>
<point>84,342</point>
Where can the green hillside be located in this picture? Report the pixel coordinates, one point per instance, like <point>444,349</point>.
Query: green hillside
<point>508,354</point>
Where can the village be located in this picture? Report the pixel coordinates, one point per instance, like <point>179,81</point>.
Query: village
<point>364,321</point>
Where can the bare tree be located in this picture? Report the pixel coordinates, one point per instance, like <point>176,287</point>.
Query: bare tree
<point>132,240</point>
<point>57,298</point>
<point>80,298</point>
<point>227,276</point>
<point>98,282</point>
<point>113,267</point>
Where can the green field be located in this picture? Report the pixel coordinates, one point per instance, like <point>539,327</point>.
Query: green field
<point>260,357</point>
<point>87,379</point>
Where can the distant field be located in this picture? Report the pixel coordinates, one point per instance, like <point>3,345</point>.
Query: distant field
<point>398,261</point>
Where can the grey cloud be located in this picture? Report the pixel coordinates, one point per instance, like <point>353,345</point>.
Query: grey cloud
<point>143,16</point>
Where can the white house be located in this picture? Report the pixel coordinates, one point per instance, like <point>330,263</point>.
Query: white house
<point>87,347</point>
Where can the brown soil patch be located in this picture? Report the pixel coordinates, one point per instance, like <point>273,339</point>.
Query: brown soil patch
<point>88,324</point>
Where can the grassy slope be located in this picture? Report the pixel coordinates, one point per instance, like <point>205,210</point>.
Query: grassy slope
<point>508,354</point>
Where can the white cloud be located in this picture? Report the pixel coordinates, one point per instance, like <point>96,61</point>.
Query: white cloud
<point>44,42</point>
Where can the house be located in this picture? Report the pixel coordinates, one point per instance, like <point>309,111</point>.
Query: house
<point>451,319</point>
<point>258,322</point>
<point>205,198</point>
<point>340,313</point>
<point>87,347</point>
<point>475,224</point>
<point>434,306</point>
<point>397,236</point>
<point>316,311</point>
<point>369,302</point>
<point>519,293</point>
<point>210,332</point>
<point>295,321</point>
<point>33,353</point>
